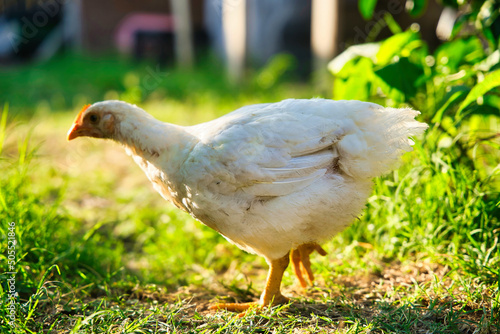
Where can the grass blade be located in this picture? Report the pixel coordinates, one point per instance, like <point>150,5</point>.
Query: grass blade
<point>3,125</point>
<point>490,81</point>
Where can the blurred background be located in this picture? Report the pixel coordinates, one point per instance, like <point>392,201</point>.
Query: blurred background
<point>67,51</point>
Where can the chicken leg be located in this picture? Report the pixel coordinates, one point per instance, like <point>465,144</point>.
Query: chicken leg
<point>301,263</point>
<point>272,293</point>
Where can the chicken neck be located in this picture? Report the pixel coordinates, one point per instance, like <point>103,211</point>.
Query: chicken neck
<point>155,141</point>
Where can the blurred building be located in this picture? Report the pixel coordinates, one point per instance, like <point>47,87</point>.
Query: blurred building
<point>242,32</point>
<point>37,29</point>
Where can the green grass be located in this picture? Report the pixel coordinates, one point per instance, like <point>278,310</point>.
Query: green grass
<point>99,252</point>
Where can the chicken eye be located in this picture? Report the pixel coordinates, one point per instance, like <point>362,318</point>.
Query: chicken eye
<point>94,118</point>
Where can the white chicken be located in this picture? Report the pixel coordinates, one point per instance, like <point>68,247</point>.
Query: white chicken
<point>275,179</point>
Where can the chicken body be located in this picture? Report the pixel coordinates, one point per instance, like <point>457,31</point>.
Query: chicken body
<point>271,178</point>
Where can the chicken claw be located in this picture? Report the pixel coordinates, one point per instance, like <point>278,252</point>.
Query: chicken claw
<point>235,307</point>
<point>242,308</point>
<point>272,293</point>
<point>301,263</point>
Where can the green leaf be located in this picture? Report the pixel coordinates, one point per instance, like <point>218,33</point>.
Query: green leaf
<point>488,21</point>
<point>460,24</point>
<point>368,50</point>
<point>492,61</point>
<point>366,8</point>
<point>355,80</point>
<point>394,45</point>
<point>490,106</point>
<point>392,24</point>
<point>416,7</point>
<point>401,77</point>
<point>456,94</point>
<point>484,109</point>
<point>490,81</point>
<point>492,100</point>
<point>451,3</point>
<point>453,54</point>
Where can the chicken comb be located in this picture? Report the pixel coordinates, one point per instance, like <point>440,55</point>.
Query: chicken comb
<point>85,107</point>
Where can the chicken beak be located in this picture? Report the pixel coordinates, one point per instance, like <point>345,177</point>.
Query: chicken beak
<point>75,131</point>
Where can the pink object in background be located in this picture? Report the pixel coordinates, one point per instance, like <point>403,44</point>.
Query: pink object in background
<point>124,35</point>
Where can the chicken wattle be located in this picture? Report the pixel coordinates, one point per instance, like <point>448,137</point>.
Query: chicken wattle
<point>275,179</point>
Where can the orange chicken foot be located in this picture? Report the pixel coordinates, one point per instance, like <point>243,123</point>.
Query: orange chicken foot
<point>301,263</point>
<point>272,293</point>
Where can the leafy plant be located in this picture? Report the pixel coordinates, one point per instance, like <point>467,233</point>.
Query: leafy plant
<point>451,195</point>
